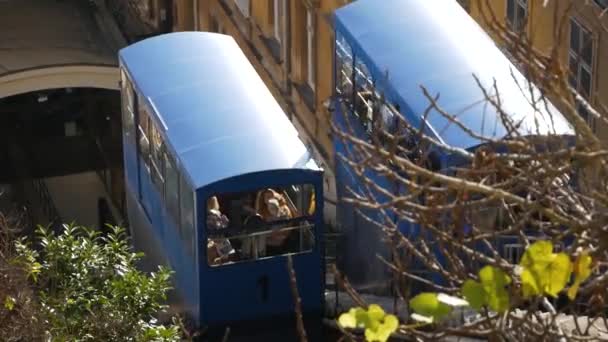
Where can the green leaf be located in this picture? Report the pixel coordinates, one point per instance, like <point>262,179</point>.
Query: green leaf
<point>348,319</point>
<point>474,293</point>
<point>537,256</point>
<point>582,271</point>
<point>9,303</point>
<point>494,281</point>
<point>427,304</point>
<point>530,286</point>
<point>491,276</point>
<point>557,275</point>
<point>375,312</point>
<point>384,330</point>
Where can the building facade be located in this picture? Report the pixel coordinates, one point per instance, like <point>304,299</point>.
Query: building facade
<point>583,40</point>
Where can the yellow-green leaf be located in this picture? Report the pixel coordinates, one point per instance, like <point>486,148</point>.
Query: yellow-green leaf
<point>348,319</point>
<point>384,330</point>
<point>474,293</point>
<point>582,271</point>
<point>375,312</point>
<point>493,281</point>
<point>391,322</point>
<point>493,277</point>
<point>9,303</point>
<point>529,283</point>
<point>427,304</point>
<point>557,275</point>
<point>537,255</point>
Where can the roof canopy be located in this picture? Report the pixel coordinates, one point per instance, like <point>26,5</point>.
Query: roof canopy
<point>438,45</point>
<point>219,117</point>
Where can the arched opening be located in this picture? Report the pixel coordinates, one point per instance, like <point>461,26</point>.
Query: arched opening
<point>61,151</point>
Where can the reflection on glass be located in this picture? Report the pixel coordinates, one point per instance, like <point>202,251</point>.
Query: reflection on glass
<point>260,224</point>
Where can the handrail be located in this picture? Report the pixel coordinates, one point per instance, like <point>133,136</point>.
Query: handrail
<point>48,206</point>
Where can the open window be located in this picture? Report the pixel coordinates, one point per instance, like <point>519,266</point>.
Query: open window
<point>144,133</point>
<point>259,224</point>
<point>364,95</point>
<point>344,70</point>
<point>128,106</point>
<point>157,167</point>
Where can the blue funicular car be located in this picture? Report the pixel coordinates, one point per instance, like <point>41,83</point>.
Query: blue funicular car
<point>219,185</point>
<point>384,51</point>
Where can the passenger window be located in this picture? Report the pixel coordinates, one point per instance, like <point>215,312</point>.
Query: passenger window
<point>128,118</point>
<point>259,224</point>
<point>171,188</point>
<point>186,197</point>
<point>364,95</point>
<point>144,142</point>
<point>157,159</point>
<point>344,70</point>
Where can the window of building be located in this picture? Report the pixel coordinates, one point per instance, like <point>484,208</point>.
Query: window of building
<point>259,224</point>
<point>278,11</point>
<point>171,187</point>
<point>517,14</point>
<point>310,48</point>
<point>186,198</point>
<point>151,10</point>
<point>243,6</point>
<point>602,3</point>
<point>581,58</point>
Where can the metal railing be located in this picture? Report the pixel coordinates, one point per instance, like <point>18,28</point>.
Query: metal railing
<point>46,203</point>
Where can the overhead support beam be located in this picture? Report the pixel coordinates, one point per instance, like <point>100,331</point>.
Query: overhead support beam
<point>64,76</point>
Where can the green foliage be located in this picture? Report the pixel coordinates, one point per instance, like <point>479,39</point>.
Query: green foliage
<point>544,272</point>
<point>473,292</point>
<point>494,282</point>
<point>428,305</point>
<point>89,288</point>
<point>377,324</point>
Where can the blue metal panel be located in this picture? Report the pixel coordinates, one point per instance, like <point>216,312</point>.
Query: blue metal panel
<point>219,117</point>
<point>438,45</point>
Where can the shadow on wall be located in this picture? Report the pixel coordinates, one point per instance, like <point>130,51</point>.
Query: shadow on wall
<point>77,198</point>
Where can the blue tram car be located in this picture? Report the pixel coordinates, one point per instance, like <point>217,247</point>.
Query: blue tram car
<point>219,185</point>
<point>384,51</point>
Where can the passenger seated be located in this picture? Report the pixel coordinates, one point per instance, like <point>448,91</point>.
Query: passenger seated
<point>272,206</point>
<point>218,250</point>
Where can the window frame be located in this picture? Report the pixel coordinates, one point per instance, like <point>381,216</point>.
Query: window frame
<point>143,132</point>
<point>578,58</point>
<point>187,230</point>
<point>516,23</point>
<point>128,104</point>
<point>311,78</point>
<point>342,47</point>
<point>244,7</point>
<point>304,220</point>
<point>278,8</point>
<point>172,203</point>
<point>156,158</point>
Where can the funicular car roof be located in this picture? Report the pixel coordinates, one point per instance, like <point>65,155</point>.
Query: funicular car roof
<point>437,44</point>
<point>218,115</point>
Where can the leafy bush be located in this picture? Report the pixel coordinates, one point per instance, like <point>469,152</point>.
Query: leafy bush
<point>88,287</point>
